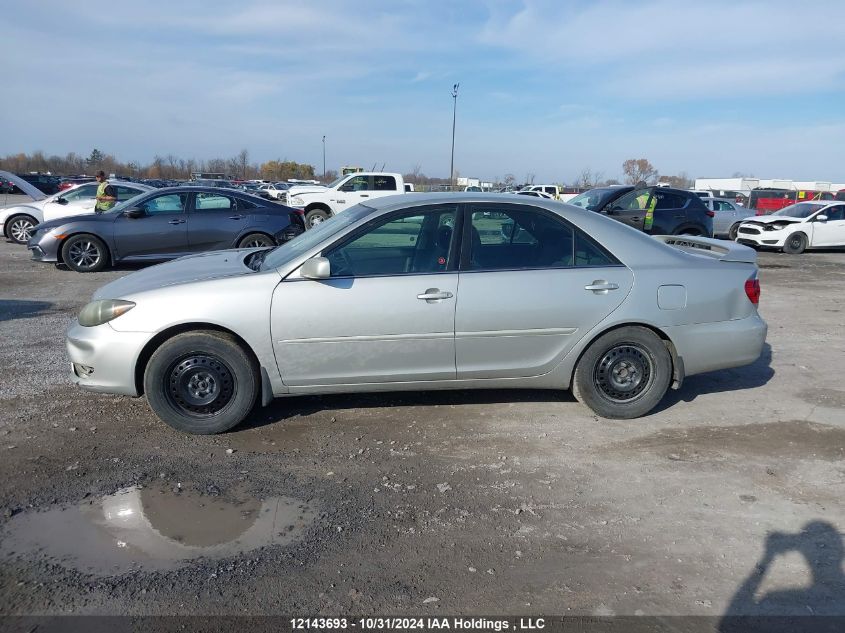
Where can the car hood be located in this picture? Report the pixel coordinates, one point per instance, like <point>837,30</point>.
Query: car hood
<point>199,267</point>
<point>31,190</point>
<point>29,207</point>
<point>298,191</point>
<point>86,217</point>
<point>771,219</point>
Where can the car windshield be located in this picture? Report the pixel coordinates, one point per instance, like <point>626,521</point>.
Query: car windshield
<point>292,249</point>
<point>592,200</point>
<point>800,210</point>
<point>336,181</point>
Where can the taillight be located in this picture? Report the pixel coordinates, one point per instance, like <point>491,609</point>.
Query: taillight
<point>752,290</point>
<point>710,214</point>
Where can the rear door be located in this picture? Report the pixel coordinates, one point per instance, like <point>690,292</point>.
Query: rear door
<point>160,234</point>
<point>531,285</point>
<point>214,221</point>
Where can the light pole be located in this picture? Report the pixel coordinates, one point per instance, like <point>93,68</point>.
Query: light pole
<point>454,114</point>
<point>324,156</point>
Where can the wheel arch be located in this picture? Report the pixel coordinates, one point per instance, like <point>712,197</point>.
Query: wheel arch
<point>322,206</point>
<point>247,232</point>
<point>156,341</point>
<point>12,216</point>
<point>677,362</point>
<point>105,241</point>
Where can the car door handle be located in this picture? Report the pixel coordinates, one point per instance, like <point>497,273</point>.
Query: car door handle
<point>365,195</point>
<point>434,294</point>
<point>236,217</point>
<point>679,217</point>
<point>176,222</point>
<point>600,286</point>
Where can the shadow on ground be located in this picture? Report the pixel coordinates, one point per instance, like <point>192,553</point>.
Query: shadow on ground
<point>11,309</point>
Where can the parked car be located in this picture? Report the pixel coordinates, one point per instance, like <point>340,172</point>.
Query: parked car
<point>43,182</point>
<point>19,221</point>
<point>577,301</point>
<point>275,190</point>
<point>164,224</point>
<point>70,181</point>
<point>796,228</point>
<point>536,194</point>
<point>654,210</point>
<point>728,216</point>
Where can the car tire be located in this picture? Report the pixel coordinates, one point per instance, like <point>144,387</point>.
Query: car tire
<point>733,231</point>
<point>623,374</point>
<point>19,228</point>
<point>201,382</point>
<point>315,217</point>
<point>256,240</point>
<point>795,244</point>
<point>85,253</point>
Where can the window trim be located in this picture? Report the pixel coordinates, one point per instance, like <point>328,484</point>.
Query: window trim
<point>452,265</point>
<point>466,240</point>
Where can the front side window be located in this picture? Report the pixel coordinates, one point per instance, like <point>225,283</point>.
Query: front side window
<point>357,183</point>
<point>637,199</point>
<point>169,203</point>
<point>413,242</point>
<point>834,213</point>
<point>81,193</point>
<point>511,238</point>
<point>212,202</point>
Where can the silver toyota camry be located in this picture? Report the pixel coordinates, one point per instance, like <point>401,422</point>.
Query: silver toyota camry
<point>423,292</point>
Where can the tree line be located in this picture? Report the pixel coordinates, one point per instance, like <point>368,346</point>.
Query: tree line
<point>635,170</point>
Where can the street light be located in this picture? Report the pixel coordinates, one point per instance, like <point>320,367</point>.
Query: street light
<point>324,156</point>
<point>454,114</point>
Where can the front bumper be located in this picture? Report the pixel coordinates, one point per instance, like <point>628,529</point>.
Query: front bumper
<point>721,345</point>
<point>44,248</point>
<point>762,238</point>
<point>103,359</point>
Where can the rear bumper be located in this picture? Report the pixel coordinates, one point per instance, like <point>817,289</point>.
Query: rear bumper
<point>103,359</point>
<point>722,345</point>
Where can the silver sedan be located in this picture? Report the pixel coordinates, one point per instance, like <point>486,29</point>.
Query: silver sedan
<point>423,292</point>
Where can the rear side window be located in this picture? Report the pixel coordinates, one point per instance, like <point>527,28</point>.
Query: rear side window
<point>212,202</point>
<point>667,200</point>
<point>124,193</point>
<point>384,183</point>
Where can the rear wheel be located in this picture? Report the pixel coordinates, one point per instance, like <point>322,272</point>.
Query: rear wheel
<point>795,244</point>
<point>624,374</point>
<point>256,240</point>
<point>21,228</point>
<point>85,253</point>
<point>201,382</point>
<point>315,217</point>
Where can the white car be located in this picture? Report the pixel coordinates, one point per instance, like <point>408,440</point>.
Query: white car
<point>796,228</point>
<point>17,222</point>
<point>275,190</point>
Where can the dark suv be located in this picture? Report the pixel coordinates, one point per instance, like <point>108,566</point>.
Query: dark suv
<point>676,212</point>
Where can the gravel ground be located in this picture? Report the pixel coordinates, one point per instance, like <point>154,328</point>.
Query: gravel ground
<point>490,502</point>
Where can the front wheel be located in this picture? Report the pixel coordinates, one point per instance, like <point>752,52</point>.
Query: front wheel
<point>734,231</point>
<point>624,374</point>
<point>85,253</point>
<point>795,244</point>
<point>315,217</point>
<point>256,240</point>
<point>21,228</point>
<point>201,382</point>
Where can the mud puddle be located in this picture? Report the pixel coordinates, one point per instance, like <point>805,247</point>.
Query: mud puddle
<point>154,529</point>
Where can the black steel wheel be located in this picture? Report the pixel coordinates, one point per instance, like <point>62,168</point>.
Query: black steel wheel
<point>795,244</point>
<point>256,240</point>
<point>623,374</point>
<point>85,253</point>
<point>20,228</point>
<point>201,382</point>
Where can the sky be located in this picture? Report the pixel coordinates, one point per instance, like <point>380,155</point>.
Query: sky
<point>548,88</point>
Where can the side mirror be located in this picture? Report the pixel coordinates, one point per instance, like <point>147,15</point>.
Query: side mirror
<point>134,213</point>
<point>61,201</point>
<point>316,268</point>
<point>821,218</point>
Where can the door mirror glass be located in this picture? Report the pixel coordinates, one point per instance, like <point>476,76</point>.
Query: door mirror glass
<point>134,213</point>
<point>316,268</point>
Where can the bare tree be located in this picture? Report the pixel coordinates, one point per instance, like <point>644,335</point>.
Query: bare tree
<point>639,170</point>
<point>587,179</point>
<point>509,180</point>
<point>529,178</point>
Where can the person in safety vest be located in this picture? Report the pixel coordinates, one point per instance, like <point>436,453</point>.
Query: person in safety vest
<point>106,195</point>
<point>648,206</point>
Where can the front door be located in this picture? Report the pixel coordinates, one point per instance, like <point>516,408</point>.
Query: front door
<point>631,208</point>
<point>161,233</point>
<point>531,285</point>
<point>75,202</point>
<point>386,314</point>
<point>832,231</point>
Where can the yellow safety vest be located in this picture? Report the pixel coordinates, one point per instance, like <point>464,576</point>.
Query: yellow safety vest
<point>103,205</point>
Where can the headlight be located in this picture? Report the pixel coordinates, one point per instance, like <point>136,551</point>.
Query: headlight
<point>99,312</point>
<point>296,201</point>
<point>776,227</point>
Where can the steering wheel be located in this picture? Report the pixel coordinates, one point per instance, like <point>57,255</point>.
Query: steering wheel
<point>341,265</point>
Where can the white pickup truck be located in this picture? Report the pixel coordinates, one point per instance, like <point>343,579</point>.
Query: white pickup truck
<point>320,203</point>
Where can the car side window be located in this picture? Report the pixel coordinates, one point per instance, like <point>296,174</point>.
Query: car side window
<point>81,193</point>
<point>168,203</point>
<point>667,200</point>
<point>384,183</point>
<point>636,199</point>
<point>412,242</point>
<point>510,238</point>
<point>246,204</point>
<point>835,213</point>
<point>357,183</point>
<point>212,202</point>
<point>124,193</point>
